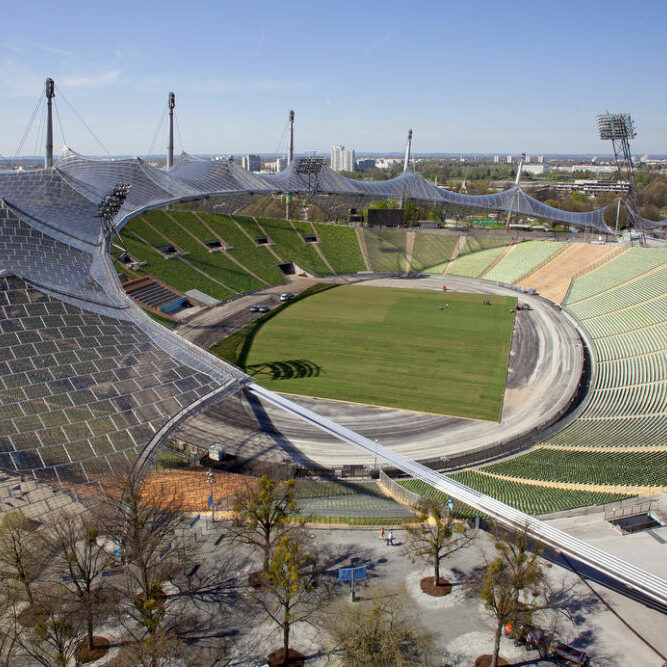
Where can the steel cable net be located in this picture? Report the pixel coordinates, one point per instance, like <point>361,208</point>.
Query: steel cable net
<point>192,177</point>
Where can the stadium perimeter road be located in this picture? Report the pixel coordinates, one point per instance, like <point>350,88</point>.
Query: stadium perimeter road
<point>545,367</point>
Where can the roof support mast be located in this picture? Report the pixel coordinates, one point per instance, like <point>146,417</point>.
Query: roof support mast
<point>408,147</point>
<point>50,94</point>
<point>517,180</point>
<point>290,152</point>
<point>171,103</point>
<point>290,159</point>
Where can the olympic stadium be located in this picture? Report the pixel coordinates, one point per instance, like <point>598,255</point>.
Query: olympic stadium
<point>90,381</point>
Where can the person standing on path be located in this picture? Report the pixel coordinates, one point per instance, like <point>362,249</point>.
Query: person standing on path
<point>382,533</point>
<point>390,538</point>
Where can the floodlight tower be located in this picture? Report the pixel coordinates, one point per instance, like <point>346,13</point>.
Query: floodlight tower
<point>50,94</point>
<point>408,148</point>
<point>619,128</point>
<point>171,103</point>
<point>290,151</point>
<point>110,204</point>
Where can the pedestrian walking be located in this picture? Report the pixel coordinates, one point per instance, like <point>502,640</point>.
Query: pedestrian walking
<point>390,538</point>
<point>382,533</point>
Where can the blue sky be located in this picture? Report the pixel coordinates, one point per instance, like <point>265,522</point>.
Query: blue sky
<point>467,77</point>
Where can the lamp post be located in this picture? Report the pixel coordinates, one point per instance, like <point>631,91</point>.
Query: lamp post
<point>209,479</point>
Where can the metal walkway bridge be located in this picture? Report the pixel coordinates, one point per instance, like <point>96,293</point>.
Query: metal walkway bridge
<point>631,576</point>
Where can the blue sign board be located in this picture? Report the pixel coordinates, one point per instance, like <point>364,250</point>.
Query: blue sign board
<point>351,573</point>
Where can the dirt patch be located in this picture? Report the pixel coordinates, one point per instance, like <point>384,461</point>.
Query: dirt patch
<point>32,615</point>
<point>275,658</point>
<point>256,579</point>
<point>192,489</point>
<point>485,660</point>
<point>83,654</point>
<point>427,584</point>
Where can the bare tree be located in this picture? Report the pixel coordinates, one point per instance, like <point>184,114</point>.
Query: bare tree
<point>144,528</point>
<point>22,556</point>
<point>262,513</point>
<point>289,593</point>
<point>81,554</point>
<point>380,631</point>
<point>435,536</point>
<point>9,628</point>
<point>54,639</point>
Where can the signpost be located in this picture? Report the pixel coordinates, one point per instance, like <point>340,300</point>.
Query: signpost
<point>352,574</point>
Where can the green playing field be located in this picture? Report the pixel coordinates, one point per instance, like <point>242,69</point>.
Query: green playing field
<point>402,348</point>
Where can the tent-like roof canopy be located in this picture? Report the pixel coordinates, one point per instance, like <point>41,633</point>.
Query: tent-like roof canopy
<point>63,200</point>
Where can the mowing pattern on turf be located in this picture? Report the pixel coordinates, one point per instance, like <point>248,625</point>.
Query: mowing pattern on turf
<point>401,348</point>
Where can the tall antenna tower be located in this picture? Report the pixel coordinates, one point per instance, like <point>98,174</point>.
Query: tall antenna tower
<point>619,128</point>
<point>50,94</point>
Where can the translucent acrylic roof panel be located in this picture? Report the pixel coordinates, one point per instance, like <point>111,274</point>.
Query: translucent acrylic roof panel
<point>44,196</point>
<point>102,175</point>
<point>29,253</point>
<point>76,387</point>
<point>206,176</point>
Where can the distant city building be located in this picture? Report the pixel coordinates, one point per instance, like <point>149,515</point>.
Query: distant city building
<point>342,159</point>
<point>528,159</point>
<point>496,158</point>
<point>510,159</point>
<point>365,163</point>
<point>251,162</point>
<point>590,187</point>
<point>537,169</point>
<point>279,164</point>
<point>540,159</point>
<point>387,162</point>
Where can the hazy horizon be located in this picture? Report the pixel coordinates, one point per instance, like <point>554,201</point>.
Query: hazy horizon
<point>480,78</point>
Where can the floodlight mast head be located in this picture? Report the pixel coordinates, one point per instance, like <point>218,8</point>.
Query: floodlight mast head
<point>619,128</point>
<point>109,206</point>
<point>50,91</point>
<point>616,127</point>
<point>171,103</point>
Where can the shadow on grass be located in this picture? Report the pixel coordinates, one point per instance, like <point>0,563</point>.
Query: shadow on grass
<point>235,348</point>
<point>284,370</point>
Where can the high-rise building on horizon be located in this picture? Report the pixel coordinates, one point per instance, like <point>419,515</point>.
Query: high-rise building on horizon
<point>342,159</point>
<point>251,162</point>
